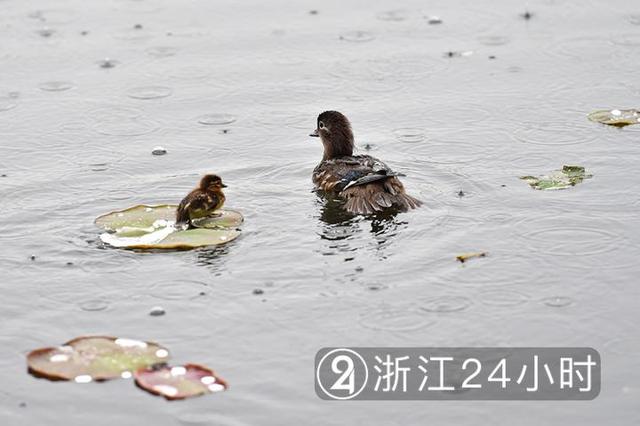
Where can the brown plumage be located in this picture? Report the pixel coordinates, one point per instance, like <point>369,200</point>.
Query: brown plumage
<point>366,183</point>
<point>202,201</point>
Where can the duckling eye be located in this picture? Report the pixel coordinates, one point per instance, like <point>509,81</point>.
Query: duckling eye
<point>321,125</point>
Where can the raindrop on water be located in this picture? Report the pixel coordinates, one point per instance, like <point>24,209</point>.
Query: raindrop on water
<point>157,311</point>
<point>46,32</point>
<point>357,36</point>
<point>149,92</point>
<point>444,304</point>
<point>409,135</point>
<point>55,86</point>
<point>107,63</point>
<point>216,119</point>
<point>158,150</point>
<point>94,305</point>
<point>558,301</point>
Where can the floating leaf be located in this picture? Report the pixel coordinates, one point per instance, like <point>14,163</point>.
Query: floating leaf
<point>616,117</point>
<point>90,358</point>
<point>559,179</point>
<point>179,382</point>
<point>170,238</point>
<point>464,257</point>
<point>144,216</point>
<point>153,227</point>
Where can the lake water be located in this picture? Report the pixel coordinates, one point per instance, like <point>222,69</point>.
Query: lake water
<point>85,96</point>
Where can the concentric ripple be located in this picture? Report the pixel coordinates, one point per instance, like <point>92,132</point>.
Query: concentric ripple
<point>216,119</point>
<point>553,134</point>
<point>93,305</point>
<point>149,92</point>
<point>178,290</point>
<point>395,319</point>
<point>56,86</point>
<point>446,304</point>
<point>409,135</point>
<point>121,121</point>
<point>573,239</point>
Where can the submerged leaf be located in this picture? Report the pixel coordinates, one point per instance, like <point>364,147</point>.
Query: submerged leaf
<point>153,227</point>
<point>90,358</point>
<point>558,179</point>
<point>616,117</point>
<point>179,382</point>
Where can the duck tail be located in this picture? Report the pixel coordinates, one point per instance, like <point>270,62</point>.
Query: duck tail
<point>377,196</point>
<point>182,217</point>
<point>407,202</point>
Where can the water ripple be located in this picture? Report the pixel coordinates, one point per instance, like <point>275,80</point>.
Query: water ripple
<point>357,36</point>
<point>216,119</point>
<point>387,318</point>
<point>446,304</point>
<point>553,237</point>
<point>502,297</point>
<point>149,92</point>
<point>56,86</point>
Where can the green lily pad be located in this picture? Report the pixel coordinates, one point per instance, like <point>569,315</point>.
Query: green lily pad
<point>153,227</point>
<point>95,358</point>
<point>145,216</point>
<point>616,117</point>
<point>558,179</point>
<point>179,382</point>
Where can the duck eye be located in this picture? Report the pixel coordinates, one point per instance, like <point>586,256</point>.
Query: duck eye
<point>321,125</point>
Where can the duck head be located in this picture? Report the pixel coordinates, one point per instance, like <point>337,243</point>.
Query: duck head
<point>211,183</point>
<point>334,129</point>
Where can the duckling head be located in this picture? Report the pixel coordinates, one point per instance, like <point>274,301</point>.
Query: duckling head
<point>334,129</point>
<point>211,183</point>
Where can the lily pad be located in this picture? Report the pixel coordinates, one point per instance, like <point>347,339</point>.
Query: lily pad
<point>179,382</point>
<point>144,216</point>
<point>559,179</point>
<point>153,227</point>
<point>616,117</point>
<point>98,358</point>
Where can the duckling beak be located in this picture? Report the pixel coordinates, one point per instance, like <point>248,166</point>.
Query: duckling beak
<point>315,134</point>
<point>222,185</point>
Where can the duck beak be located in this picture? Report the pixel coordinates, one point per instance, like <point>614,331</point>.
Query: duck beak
<point>223,185</point>
<point>315,134</point>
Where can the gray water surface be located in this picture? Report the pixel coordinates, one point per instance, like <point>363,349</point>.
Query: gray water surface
<point>234,88</point>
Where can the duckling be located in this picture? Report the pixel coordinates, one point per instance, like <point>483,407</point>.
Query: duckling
<point>202,201</point>
<point>366,183</point>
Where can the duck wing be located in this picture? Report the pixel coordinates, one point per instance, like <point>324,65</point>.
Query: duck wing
<point>366,183</point>
<point>196,204</point>
<point>342,173</point>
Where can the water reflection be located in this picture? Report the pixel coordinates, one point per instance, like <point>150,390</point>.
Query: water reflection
<point>212,256</point>
<point>338,224</point>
